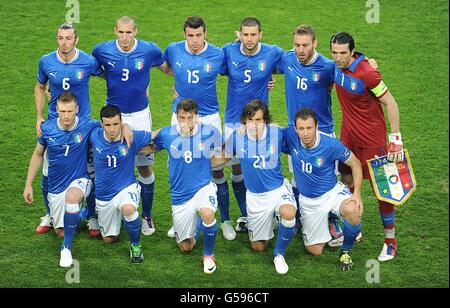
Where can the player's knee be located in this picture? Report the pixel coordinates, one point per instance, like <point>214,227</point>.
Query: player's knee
<point>208,215</point>
<point>59,232</point>
<point>236,169</point>
<point>109,239</point>
<point>258,246</point>
<point>315,250</point>
<point>287,212</point>
<point>128,211</point>
<point>145,171</point>
<point>74,195</point>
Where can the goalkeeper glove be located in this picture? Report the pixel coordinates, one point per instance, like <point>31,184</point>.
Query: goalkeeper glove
<point>395,148</point>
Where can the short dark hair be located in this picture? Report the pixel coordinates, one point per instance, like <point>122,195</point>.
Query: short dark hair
<point>66,26</point>
<point>342,38</point>
<point>251,22</point>
<point>67,97</point>
<point>126,20</point>
<point>194,22</point>
<point>187,105</point>
<point>305,114</point>
<point>305,29</point>
<point>110,111</point>
<point>253,107</point>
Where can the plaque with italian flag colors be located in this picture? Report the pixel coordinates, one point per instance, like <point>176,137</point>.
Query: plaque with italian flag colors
<point>392,182</point>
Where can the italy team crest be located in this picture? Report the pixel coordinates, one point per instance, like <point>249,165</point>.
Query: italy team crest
<point>139,64</point>
<point>316,77</point>
<point>123,150</point>
<point>207,67</point>
<point>78,138</point>
<point>79,74</point>
<point>262,65</point>
<point>392,182</point>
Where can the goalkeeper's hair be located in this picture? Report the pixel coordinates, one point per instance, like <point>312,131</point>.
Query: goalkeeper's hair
<point>187,105</point>
<point>342,38</point>
<point>251,22</point>
<point>252,108</point>
<point>67,97</point>
<point>110,111</point>
<point>305,29</point>
<point>66,26</point>
<point>126,20</point>
<point>305,114</point>
<point>194,22</point>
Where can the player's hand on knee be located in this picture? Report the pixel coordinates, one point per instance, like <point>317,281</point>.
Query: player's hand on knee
<point>395,148</point>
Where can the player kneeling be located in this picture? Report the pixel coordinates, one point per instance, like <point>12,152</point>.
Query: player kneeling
<point>117,193</point>
<point>258,146</point>
<point>313,157</point>
<point>190,144</point>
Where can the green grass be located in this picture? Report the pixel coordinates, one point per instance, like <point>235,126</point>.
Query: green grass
<point>410,45</point>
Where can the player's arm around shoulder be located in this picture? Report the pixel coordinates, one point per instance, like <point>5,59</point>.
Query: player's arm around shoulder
<point>33,168</point>
<point>151,147</point>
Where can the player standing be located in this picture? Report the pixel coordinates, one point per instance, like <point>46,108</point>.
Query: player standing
<point>127,62</point>
<point>362,92</point>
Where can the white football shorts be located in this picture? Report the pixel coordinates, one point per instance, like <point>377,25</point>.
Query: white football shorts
<point>109,212</point>
<point>314,213</point>
<point>262,207</point>
<point>185,215</point>
<point>57,202</point>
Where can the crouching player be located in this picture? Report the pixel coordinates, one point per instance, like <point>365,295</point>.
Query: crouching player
<point>190,145</point>
<point>258,149</point>
<point>117,193</point>
<point>313,156</point>
<point>66,140</point>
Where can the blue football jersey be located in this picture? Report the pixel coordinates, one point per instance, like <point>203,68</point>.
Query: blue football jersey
<point>128,73</point>
<point>114,162</point>
<point>67,152</point>
<point>72,77</point>
<point>260,159</point>
<point>309,86</point>
<point>314,168</point>
<point>189,159</point>
<point>248,77</point>
<point>196,75</point>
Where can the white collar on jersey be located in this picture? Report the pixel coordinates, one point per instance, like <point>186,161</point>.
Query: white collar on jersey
<point>201,51</point>
<point>312,60</point>
<point>129,51</point>
<point>315,144</point>
<point>260,138</point>
<point>241,48</point>
<point>70,129</point>
<point>75,57</point>
<point>107,139</point>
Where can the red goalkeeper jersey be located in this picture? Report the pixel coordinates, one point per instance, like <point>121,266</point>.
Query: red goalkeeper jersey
<point>359,88</point>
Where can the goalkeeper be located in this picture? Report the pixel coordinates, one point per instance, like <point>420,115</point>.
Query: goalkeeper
<point>361,93</point>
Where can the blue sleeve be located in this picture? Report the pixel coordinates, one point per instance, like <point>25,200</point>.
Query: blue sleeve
<point>141,139</point>
<point>167,55</point>
<point>96,68</point>
<point>230,145</point>
<point>159,140</point>
<point>278,57</point>
<point>280,65</point>
<point>284,141</point>
<point>42,141</point>
<point>340,151</point>
<point>157,56</point>
<point>42,77</point>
